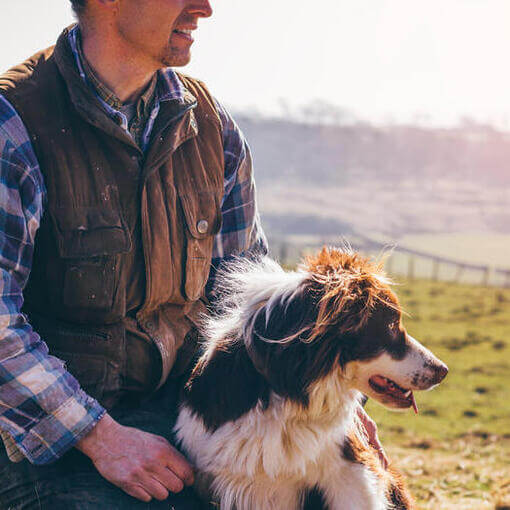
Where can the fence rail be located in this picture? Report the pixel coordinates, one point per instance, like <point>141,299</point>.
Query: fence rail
<point>401,260</point>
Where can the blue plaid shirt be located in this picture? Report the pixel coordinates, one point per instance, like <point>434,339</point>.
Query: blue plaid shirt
<point>43,411</point>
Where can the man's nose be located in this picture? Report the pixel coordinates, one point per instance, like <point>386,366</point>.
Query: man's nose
<point>201,8</point>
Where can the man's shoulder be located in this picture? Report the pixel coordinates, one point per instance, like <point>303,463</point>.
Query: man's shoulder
<point>206,101</point>
<point>186,80</point>
<point>15,143</point>
<point>196,87</point>
<point>23,74</point>
<point>12,129</point>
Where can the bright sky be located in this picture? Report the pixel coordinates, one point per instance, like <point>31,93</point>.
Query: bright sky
<point>381,59</point>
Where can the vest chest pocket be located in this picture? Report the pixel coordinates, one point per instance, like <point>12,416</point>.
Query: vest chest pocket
<point>89,241</point>
<point>202,215</point>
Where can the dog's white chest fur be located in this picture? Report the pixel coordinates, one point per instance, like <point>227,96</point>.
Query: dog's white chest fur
<point>268,458</point>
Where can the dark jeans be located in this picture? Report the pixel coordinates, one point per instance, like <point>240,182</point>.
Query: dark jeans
<point>72,483</point>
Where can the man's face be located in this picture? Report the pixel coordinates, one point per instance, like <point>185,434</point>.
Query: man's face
<point>159,31</point>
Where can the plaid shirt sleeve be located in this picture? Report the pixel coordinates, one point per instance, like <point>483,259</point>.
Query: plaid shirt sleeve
<point>241,232</point>
<point>43,411</point>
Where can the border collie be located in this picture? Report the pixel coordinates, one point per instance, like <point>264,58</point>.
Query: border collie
<point>269,414</point>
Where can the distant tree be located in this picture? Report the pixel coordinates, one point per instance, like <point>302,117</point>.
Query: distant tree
<point>323,112</point>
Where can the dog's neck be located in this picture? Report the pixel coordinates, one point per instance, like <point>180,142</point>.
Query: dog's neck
<point>331,400</point>
<point>226,386</point>
<point>227,397</point>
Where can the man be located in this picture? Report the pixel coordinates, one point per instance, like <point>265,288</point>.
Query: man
<point>121,183</point>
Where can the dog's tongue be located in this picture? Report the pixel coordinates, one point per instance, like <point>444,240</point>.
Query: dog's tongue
<point>415,406</point>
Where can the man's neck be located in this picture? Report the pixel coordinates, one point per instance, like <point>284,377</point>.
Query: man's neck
<point>116,67</point>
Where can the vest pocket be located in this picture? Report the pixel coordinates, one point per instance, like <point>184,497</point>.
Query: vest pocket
<point>90,283</point>
<point>202,216</point>
<point>95,356</point>
<point>90,240</point>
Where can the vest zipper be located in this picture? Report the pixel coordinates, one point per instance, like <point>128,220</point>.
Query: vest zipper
<point>82,332</point>
<point>146,324</point>
<point>147,171</point>
<point>145,177</point>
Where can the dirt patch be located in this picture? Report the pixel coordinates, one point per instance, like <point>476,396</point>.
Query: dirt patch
<point>424,444</point>
<point>468,473</point>
<point>470,339</point>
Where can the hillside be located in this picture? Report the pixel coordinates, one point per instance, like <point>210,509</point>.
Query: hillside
<point>328,180</point>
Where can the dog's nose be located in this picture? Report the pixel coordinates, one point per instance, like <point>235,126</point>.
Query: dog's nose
<point>441,370</point>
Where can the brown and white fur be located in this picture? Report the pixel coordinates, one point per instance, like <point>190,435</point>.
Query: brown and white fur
<point>269,414</point>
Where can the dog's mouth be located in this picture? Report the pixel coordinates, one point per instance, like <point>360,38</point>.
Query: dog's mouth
<point>401,396</point>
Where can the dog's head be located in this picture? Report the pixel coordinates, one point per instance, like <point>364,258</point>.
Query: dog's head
<point>337,315</point>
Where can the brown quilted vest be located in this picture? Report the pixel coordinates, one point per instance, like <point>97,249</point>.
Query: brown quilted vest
<point>125,240</point>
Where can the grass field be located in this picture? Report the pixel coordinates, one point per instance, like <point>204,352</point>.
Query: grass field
<point>456,452</point>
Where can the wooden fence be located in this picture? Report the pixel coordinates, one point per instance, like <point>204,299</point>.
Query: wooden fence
<point>402,261</point>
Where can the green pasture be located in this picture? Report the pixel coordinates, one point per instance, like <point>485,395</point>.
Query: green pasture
<point>456,452</point>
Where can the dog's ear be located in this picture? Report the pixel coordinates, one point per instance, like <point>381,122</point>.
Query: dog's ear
<point>284,318</point>
<point>280,345</point>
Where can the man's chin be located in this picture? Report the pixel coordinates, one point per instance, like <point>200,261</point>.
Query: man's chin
<point>176,60</point>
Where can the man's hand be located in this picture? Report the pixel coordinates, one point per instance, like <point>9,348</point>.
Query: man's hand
<point>144,465</point>
<point>371,434</point>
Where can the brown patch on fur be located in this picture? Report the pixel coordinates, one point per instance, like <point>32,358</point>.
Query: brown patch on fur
<point>351,285</point>
<point>356,451</point>
<point>399,495</point>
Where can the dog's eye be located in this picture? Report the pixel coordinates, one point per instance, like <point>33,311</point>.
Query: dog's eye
<point>394,327</point>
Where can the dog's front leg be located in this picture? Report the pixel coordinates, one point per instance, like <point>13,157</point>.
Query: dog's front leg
<point>260,496</point>
<point>353,487</point>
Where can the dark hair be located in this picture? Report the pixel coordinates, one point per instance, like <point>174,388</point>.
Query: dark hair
<point>78,6</point>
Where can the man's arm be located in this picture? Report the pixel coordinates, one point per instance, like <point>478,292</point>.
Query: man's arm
<point>42,407</point>
<point>241,233</point>
<point>43,410</point>
<point>370,430</point>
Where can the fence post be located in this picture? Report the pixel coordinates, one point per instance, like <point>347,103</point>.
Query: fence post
<point>410,268</point>
<point>486,275</point>
<point>458,273</point>
<point>435,270</point>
